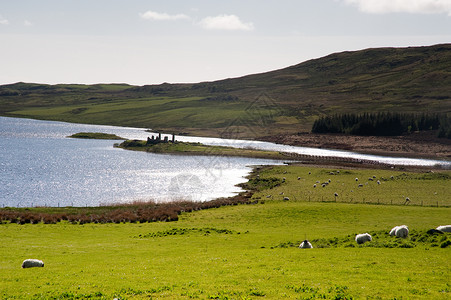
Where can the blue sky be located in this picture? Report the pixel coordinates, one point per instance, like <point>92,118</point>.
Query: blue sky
<point>151,42</point>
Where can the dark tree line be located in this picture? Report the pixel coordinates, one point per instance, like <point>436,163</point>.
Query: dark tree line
<point>383,124</point>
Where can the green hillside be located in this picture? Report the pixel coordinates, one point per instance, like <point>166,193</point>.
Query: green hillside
<point>416,79</point>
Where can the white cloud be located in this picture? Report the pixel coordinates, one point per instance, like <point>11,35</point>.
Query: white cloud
<point>3,21</point>
<point>407,6</point>
<point>156,16</point>
<point>27,23</point>
<point>225,22</point>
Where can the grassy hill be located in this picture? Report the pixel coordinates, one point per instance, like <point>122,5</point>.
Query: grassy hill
<point>416,79</point>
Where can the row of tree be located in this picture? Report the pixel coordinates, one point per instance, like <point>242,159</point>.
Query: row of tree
<point>383,124</point>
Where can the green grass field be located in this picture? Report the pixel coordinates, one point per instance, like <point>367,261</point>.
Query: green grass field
<point>427,189</point>
<point>171,113</point>
<point>246,251</point>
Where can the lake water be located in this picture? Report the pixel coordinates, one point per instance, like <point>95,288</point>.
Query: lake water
<point>40,166</point>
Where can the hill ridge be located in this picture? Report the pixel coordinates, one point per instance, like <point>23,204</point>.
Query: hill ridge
<point>410,79</point>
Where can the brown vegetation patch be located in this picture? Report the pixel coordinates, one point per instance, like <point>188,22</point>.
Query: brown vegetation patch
<point>120,213</point>
<point>418,145</point>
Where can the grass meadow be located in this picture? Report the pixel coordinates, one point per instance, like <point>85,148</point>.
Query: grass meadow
<point>250,251</point>
<point>172,113</point>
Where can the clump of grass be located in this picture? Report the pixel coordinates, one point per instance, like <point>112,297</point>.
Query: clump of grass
<point>335,292</point>
<point>260,184</point>
<point>96,135</point>
<point>187,231</point>
<point>381,239</point>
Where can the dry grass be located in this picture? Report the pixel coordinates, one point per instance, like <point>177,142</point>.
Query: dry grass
<point>137,211</point>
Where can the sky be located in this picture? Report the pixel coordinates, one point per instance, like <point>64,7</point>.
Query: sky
<point>182,41</point>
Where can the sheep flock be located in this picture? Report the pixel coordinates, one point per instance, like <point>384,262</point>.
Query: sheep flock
<point>400,231</point>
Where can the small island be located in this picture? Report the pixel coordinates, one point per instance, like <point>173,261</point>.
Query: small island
<point>96,136</point>
<point>171,146</point>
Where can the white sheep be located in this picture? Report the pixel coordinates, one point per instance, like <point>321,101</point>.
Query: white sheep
<point>305,245</point>
<point>30,263</point>
<point>363,238</point>
<point>286,198</point>
<point>401,231</point>
<point>444,228</point>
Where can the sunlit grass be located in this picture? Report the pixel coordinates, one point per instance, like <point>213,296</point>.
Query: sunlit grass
<point>235,252</point>
<point>372,186</point>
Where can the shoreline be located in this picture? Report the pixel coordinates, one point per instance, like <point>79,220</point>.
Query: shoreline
<point>198,149</point>
<point>422,145</point>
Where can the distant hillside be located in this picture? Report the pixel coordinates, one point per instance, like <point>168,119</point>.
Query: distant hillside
<point>415,79</point>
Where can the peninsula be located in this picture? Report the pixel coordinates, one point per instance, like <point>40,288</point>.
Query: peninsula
<point>165,146</point>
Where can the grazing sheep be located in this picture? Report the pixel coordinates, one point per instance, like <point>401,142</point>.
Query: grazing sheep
<point>401,231</point>
<point>310,173</point>
<point>269,196</point>
<point>30,263</point>
<point>356,179</point>
<point>306,245</point>
<point>323,185</point>
<point>363,238</point>
<point>370,179</point>
<point>299,178</point>
<point>378,182</point>
<point>281,193</point>
<point>360,185</point>
<point>444,228</point>
<point>314,185</point>
<point>286,198</point>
